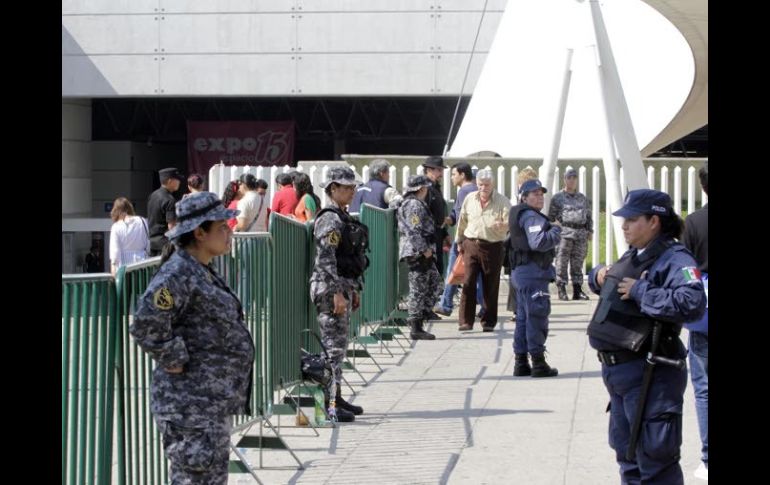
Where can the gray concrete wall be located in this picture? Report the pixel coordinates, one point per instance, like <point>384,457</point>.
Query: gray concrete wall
<point>273,47</point>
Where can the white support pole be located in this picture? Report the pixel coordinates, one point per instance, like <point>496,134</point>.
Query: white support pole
<point>271,189</point>
<point>554,185</point>
<point>514,185</point>
<point>447,183</point>
<point>616,107</point>
<point>500,180</point>
<point>623,190</point>
<point>595,203</point>
<point>664,179</point>
<point>651,177</point>
<point>613,198</point>
<point>678,190</point>
<point>405,175</point>
<point>393,182</point>
<point>691,190</point>
<point>365,173</point>
<point>324,171</point>
<point>549,162</point>
<point>582,179</point>
<point>608,254</point>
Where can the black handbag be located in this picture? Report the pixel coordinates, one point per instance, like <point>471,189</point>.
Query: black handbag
<point>316,367</point>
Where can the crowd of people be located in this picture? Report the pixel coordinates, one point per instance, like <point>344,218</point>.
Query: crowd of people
<point>644,298</point>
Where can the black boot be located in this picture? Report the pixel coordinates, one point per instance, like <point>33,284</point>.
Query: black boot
<point>343,404</point>
<point>562,287</point>
<point>521,365</point>
<point>540,368</point>
<point>417,332</point>
<point>577,292</point>
<point>343,415</point>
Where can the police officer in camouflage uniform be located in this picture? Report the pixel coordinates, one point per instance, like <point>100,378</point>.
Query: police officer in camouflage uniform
<point>416,247</point>
<point>337,279</point>
<point>192,325</point>
<point>573,211</point>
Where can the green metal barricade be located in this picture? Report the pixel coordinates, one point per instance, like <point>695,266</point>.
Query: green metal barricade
<point>140,450</point>
<point>293,311</point>
<point>248,271</point>
<point>88,357</point>
<point>380,284</point>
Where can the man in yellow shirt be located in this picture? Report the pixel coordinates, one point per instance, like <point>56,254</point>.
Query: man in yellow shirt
<point>481,229</point>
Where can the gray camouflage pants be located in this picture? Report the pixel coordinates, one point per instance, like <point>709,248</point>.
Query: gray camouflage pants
<point>198,455</point>
<point>572,252</point>
<point>334,335</point>
<point>425,289</point>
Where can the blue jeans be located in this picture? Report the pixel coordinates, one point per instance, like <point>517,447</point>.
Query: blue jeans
<point>699,373</point>
<point>447,299</point>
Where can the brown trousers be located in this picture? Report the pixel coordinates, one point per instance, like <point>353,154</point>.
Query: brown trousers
<point>487,258</point>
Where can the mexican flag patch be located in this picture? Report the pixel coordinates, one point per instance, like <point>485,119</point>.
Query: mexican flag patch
<point>691,273</point>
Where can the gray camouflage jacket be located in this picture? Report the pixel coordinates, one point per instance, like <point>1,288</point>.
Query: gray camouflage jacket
<point>573,211</point>
<point>327,235</point>
<point>189,317</point>
<point>415,228</point>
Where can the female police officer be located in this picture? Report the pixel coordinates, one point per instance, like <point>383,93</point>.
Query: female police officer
<point>340,242</point>
<point>532,243</point>
<point>645,297</point>
<point>191,323</point>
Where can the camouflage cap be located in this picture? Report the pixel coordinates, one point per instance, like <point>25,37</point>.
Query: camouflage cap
<point>197,208</point>
<point>416,182</point>
<point>340,175</point>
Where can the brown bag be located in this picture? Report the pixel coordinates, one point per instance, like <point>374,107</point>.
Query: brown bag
<point>457,275</point>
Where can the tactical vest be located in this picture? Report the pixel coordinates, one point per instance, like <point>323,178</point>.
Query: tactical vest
<point>372,193</point>
<point>620,323</point>
<point>351,252</point>
<point>520,252</point>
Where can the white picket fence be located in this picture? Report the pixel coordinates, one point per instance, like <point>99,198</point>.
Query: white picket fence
<point>220,175</point>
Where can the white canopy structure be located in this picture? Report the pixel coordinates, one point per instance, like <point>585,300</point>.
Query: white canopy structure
<point>568,79</point>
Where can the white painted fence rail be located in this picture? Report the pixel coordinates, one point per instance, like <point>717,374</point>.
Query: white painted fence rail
<point>685,190</point>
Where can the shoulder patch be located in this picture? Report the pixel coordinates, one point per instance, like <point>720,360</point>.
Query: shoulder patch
<point>415,220</point>
<point>691,273</point>
<point>333,238</point>
<point>162,299</point>
<point>535,228</point>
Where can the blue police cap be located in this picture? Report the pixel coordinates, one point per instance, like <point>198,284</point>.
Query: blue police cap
<point>531,185</point>
<point>644,201</point>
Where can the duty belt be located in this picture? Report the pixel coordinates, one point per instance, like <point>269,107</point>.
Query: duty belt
<point>618,357</point>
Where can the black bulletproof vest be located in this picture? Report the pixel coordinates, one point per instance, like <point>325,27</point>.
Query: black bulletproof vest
<point>520,252</point>
<point>618,324</point>
<point>351,252</point>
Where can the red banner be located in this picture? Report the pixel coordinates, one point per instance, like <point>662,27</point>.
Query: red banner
<point>238,143</point>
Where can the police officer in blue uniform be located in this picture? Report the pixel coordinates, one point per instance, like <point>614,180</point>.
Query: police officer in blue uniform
<point>377,191</point>
<point>160,208</point>
<point>192,325</point>
<point>644,299</point>
<point>533,239</point>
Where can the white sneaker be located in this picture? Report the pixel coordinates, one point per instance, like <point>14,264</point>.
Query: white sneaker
<point>702,472</point>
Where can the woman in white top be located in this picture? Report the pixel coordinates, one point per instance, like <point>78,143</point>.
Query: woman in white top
<point>129,235</point>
